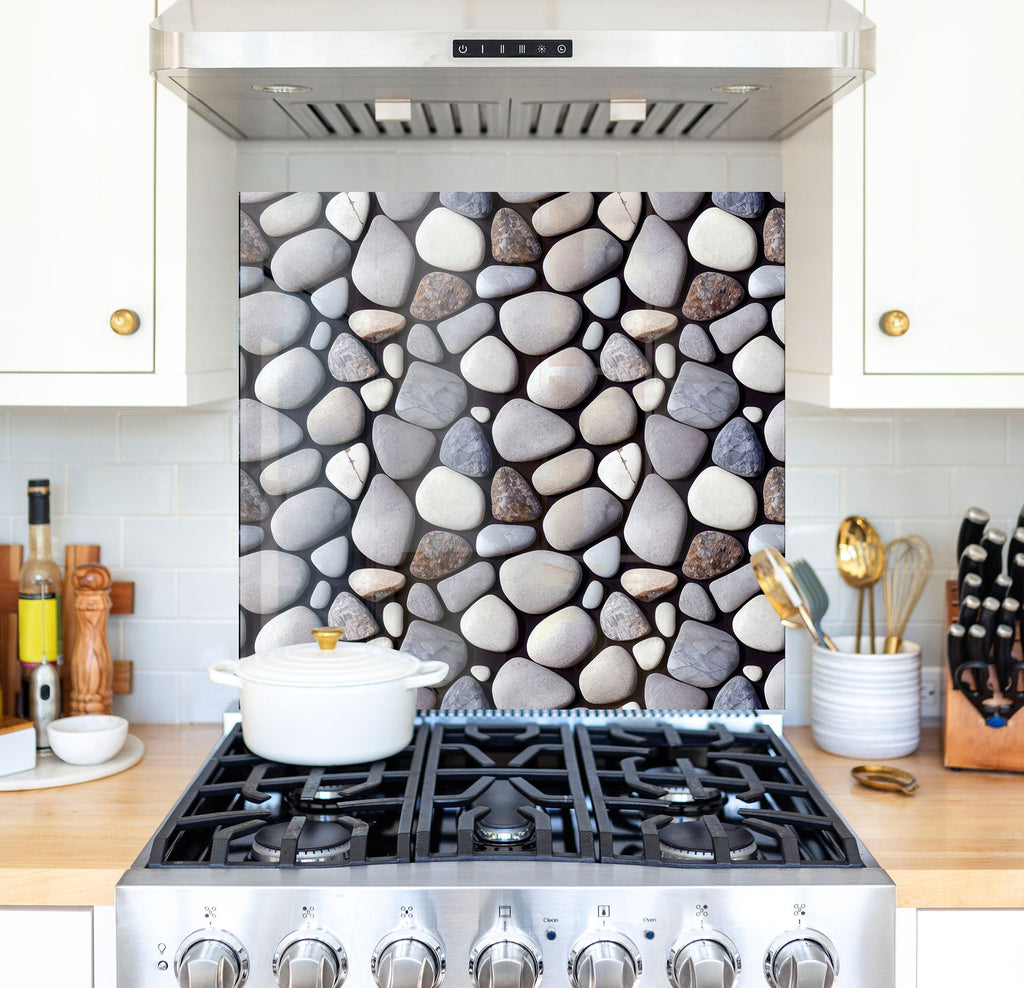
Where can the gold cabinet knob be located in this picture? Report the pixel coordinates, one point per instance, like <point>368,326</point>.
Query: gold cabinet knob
<point>124,322</point>
<point>895,323</point>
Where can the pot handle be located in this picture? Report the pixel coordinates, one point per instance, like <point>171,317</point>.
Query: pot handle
<point>430,674</point>
<point>224,672</point>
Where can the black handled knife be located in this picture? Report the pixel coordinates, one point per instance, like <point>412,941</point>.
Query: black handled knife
<point>955,650</point>
<point>993,542</point>
<point>972,560</point>
<point>973,524</point>
<point>1002,660</point>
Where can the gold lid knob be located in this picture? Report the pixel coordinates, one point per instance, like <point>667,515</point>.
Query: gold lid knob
<point>327,638</point>
<point>895,323</point>
<point>124,322</point>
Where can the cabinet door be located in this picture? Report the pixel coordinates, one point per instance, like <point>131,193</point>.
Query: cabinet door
<point>77,170</point>
<point>944,217</point>
<point>968,947</point>
<point>43,946</point>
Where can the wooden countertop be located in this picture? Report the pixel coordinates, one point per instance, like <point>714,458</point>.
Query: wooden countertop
<point>69,846</point>
<point>958,843</point>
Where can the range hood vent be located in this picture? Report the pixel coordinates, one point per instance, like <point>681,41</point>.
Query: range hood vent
<point>697,69</point>
<point>352,119</point>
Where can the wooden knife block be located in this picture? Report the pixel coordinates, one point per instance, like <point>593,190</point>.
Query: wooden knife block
<point>967,741</point>
<point>122,596</point>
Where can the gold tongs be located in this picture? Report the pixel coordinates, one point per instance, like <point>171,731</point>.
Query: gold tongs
<point>885,777</point>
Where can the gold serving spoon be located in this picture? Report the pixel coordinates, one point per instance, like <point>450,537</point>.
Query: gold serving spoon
<point>860,559</point>
<point>776,580</point>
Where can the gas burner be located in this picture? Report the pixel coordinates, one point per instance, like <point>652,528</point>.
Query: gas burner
<point>326,803</point>
<point>682,801</point>
<point>691,841</point>
<point>502,824</point>
<point>318,843</point>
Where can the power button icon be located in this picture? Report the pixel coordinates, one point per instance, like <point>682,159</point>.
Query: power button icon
<point>463,49</point>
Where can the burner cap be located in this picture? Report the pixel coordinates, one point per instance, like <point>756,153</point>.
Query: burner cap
<point>681,800</point>
<point>691,841</point>
<point>503,823</point>
<point>318,842</point>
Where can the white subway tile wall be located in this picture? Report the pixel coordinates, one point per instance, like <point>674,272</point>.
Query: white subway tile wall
<point>908,473</point>
<point>158,492</point>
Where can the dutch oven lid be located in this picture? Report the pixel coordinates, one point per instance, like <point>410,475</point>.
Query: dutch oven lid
<point>326,662</point>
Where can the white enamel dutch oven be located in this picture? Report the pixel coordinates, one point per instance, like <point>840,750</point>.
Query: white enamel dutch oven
<point>327,703</point>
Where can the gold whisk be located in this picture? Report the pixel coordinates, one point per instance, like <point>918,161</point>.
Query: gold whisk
<point>908,564</point>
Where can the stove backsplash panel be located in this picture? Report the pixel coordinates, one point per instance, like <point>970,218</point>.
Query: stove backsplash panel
<point>537,435</point>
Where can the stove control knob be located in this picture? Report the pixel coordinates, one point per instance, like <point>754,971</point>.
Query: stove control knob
<point>608,960</point>
<point>707,960</point>
<point>801,959</point>
<point>410,959</point>
<point>310,959</point>
<point>211,959</point>
<point>505,961</point>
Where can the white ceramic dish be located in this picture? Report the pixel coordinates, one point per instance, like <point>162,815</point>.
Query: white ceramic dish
<point>89,739</point>
<point>303,705</point>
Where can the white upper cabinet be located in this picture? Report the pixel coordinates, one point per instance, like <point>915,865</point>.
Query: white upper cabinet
<point>903,200</point>
<point>96,220</point>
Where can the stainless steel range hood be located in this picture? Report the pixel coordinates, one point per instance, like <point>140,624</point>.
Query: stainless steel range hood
<point>394,69</point>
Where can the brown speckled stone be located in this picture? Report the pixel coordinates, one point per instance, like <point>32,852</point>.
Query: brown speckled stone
<point>438,295</point>
<point>711,554</point>
<point>512,240</point>
<point>512,498</point>
<point>775,236</point>
<point>775,494</point>
<point>252,245</point>
<point>712,295</point>
<point>439,554</point>
<point>252,505</point>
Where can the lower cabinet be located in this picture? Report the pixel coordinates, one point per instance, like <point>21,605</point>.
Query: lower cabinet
<point>969,947</point>
<point>48,947</point>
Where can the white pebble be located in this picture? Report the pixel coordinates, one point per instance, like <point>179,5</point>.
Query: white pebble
<point>394,360</point>
<point>665,619</point>
<point>665,360</point>
<point>752,413</point>
<point>648,394</point>
<point>394,618</point>
<point>480,673</point>
<point>648,653</point>
<point>376,394</point>
<point>753,673</point>
<point>593,596</point>
<point>480,413</point>
<point>593,337</point>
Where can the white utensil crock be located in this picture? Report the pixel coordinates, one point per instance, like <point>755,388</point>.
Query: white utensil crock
<point>863,705</point>
<point>303,705</point>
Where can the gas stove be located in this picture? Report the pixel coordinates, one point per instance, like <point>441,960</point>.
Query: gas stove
<point>593,850</point>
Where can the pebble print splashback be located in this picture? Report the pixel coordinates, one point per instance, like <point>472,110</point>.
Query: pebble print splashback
<point>535,435</point>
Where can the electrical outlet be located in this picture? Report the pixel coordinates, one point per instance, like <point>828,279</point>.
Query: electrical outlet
<point>931,694</point>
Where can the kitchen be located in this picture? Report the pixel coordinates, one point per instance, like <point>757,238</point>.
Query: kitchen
<point>157,487</point>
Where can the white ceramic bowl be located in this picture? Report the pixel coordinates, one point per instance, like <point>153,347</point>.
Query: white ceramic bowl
<point>88,739</point>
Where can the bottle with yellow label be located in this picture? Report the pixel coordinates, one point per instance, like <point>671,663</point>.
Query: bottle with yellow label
<point>39,589</point>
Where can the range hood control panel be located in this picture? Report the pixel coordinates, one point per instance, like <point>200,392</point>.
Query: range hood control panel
<point>515,48</point>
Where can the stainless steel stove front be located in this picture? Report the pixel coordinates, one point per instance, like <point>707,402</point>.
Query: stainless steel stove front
<point>485,924</point>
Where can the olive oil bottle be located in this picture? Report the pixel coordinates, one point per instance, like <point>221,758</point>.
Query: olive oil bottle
<point>39,593</point>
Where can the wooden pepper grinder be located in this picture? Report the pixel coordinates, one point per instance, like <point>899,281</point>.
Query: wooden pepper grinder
<point>92,670</point>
